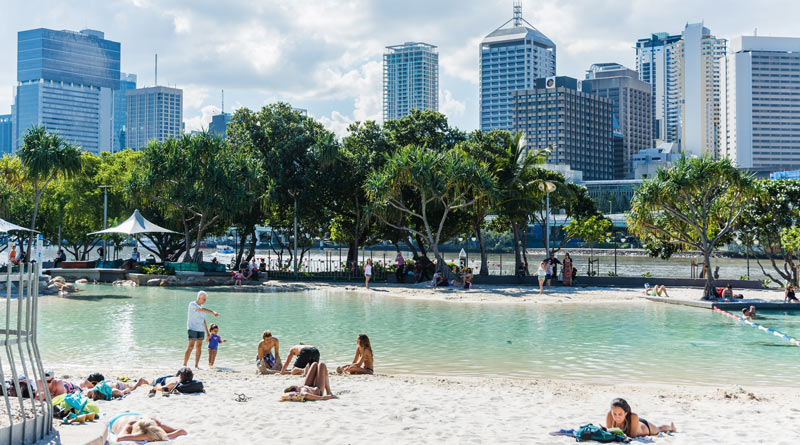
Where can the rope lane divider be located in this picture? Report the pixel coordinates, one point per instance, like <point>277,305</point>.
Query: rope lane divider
<point>778,334</point>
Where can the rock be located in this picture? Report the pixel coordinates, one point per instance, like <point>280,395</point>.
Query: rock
<point>172,280</point>
<point>82,281</point>
<point>163,283</point>
<point>154,282</point>
<point>128,283</point>
<point>68,287</point>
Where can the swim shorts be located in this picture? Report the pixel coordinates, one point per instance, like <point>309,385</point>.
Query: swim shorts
<point>306,356</point>
<point>196,335</point>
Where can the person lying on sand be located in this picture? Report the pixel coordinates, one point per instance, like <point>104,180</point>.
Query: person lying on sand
<point>109,389</point>
<point>306,355</point>
<point>135,427</point>
<point>266,362</point>
<point>184,375</point>
<point>362,362</point>
<point>56,386</point>
<point>630,423</point>
<point>656,290</point>
<point>314,387</point>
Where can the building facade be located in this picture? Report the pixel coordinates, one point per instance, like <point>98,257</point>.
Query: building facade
<point>760,103</point>
<point>219,124</point>
<point>5,134</point>
<point>657,65</point>
<point>154,114</point>
<point>698,77</point>
<point>631,108</point>
<point>65,82</point>
<point>126,82</point>
<point>410,79</point>
<point>510,60</point>
<point>563,114</point>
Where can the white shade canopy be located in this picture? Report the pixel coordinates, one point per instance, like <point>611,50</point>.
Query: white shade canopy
<point>133,225</point>
<point>6,226</point>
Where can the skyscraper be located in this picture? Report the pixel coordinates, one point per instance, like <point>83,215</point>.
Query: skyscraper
<point>563,114</point>
<point>219,124</point>
<point>65,81</point>
<point>410,79</point>
<point>631,109</point>
<point>154,114</point>
<point>126,82</point>
<point>658,66</point>
<point>510,59</point>
<point>5,134</point>
<point>760,103</point>
<point>698,78</point>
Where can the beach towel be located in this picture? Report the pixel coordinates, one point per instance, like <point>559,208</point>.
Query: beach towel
<point>112,438</point>
<point>598,434</point>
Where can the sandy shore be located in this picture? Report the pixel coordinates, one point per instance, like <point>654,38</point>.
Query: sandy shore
<point>397,409</point>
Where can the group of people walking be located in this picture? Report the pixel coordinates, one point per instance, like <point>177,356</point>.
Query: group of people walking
<point>548,271</point>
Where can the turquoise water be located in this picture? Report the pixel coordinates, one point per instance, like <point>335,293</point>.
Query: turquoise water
<point>105,326</point>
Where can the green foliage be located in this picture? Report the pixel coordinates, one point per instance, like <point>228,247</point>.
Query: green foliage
<point>646,275</point>
<point>592,230</point>
<point>157,270</point>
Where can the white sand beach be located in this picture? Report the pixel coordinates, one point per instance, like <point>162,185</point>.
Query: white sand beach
<point>402,409</point>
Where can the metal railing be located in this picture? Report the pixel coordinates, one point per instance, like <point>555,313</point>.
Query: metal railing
<point>21,369</point>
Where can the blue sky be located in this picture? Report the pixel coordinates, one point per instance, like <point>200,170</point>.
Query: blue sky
<point>326,56</point>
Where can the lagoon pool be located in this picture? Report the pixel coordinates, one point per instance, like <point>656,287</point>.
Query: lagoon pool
<point>105,326</point>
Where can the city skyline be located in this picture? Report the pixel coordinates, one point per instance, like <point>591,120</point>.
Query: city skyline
<point>327,57</point>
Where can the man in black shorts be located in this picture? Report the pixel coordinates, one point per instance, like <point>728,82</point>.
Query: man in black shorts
<point>306,355</point>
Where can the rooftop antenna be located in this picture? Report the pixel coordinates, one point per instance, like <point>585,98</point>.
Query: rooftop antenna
<point>517,14</point>
<point>223,101</point>
<point>156,69</point>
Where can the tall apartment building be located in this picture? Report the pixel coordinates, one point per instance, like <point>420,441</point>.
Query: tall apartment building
<point>410,79</point>
<point>562,113</point>
<point>698,78</point>
<point>658,66</point>
<point>510,60</point>
<point>631,108</point>
<point>5,134</point>
<point>219,124</point>
<point>65,82</point>
<point>126,82</point>
<point>760,103</point>
<point>154,114</point>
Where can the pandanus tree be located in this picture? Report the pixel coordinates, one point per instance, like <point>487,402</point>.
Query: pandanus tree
<point>697,202</point>
<point>428,187</point>
<point>45,156</point>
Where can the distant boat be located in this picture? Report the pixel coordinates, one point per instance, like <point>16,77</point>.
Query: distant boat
<point>225,250</point>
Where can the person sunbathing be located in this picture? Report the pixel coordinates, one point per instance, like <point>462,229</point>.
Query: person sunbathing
<point>135,427</point>
<point>167,384</point>
<point>656,290</point>
<point>56,386</point>
<point>620,416</point>
<point>314,387</point>
<point>110,389</point>
<point>362,362</point>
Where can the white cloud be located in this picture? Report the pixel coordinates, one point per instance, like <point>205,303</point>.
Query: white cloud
<point>450,106</point>
<point>201,121</point>
<point>461,62</point>
<point>336,123</point>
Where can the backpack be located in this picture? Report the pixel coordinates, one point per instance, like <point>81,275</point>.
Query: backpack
<point>189,387</point>
<point>596,433</point>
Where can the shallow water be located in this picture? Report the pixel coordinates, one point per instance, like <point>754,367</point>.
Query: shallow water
<point>106,326</point>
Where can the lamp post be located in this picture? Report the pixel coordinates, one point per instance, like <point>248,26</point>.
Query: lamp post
<point>755,242</point>
<point>294,195</point>
<point>105,218</point>
<point>547,187</point>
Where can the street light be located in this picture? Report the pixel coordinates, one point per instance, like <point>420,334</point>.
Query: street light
<point>294,195</point>
<point>547,187</point>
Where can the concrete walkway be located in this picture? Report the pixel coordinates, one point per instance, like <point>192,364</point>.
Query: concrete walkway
<point>729,306</point>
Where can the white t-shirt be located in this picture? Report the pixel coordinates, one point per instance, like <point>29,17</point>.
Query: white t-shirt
<point>368,270</point>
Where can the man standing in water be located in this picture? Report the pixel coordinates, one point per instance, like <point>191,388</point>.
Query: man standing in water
<point>196,325</point>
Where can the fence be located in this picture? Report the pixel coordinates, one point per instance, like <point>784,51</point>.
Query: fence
<point>33,420</point>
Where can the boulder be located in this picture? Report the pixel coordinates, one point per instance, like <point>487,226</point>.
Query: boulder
<point>163,282</point>
<point>154,282</point>
<point>82,281</point>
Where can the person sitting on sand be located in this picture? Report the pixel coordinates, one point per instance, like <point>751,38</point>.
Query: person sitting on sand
<point>110,389</point>
<point>362,362</point>
<point>314,387</point>
<point>620,416</point>
<point>468,278</point>
<point>656,290</point>
<point>454,282</point>
<point>749,312</point>
<point>135,427</point>
<point>788,295</point>
<point>266,362</point>
<point>306,355</point>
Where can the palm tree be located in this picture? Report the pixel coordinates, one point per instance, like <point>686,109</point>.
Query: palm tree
<point>44,157</point>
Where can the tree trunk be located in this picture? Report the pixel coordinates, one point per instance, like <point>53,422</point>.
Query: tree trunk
<point>484,257</point>
<point>708,291</point>
<point>517,258</point>
<point>352,253</point>
<point>524,237</point>
<point>33,223</point>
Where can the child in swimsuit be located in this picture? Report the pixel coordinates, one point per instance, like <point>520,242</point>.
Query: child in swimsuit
<point>630,423</point>
<point>213,344</point>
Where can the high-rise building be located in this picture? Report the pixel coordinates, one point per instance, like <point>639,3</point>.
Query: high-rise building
<point>760,103</point>
<point>410,79</point>
<point>698,78</point>
<point>5,134</point>
<point>631,109</point>
<point>126,82</point>
<point>65,82</point>
<point>657,65</point>
<point>154,114</point>
<point>563,114</point>
<point>219,124</point>
<point>511,59</point>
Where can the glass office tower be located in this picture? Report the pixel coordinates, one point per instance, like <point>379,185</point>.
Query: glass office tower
<point>410,79</point>
<point>126,82</point>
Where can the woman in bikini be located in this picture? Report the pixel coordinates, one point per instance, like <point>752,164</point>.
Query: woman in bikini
<point>362,362</point>
<point>630,423</point>
<point>314,387</point>
<point>135,427</point>
<point>109,389</point>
